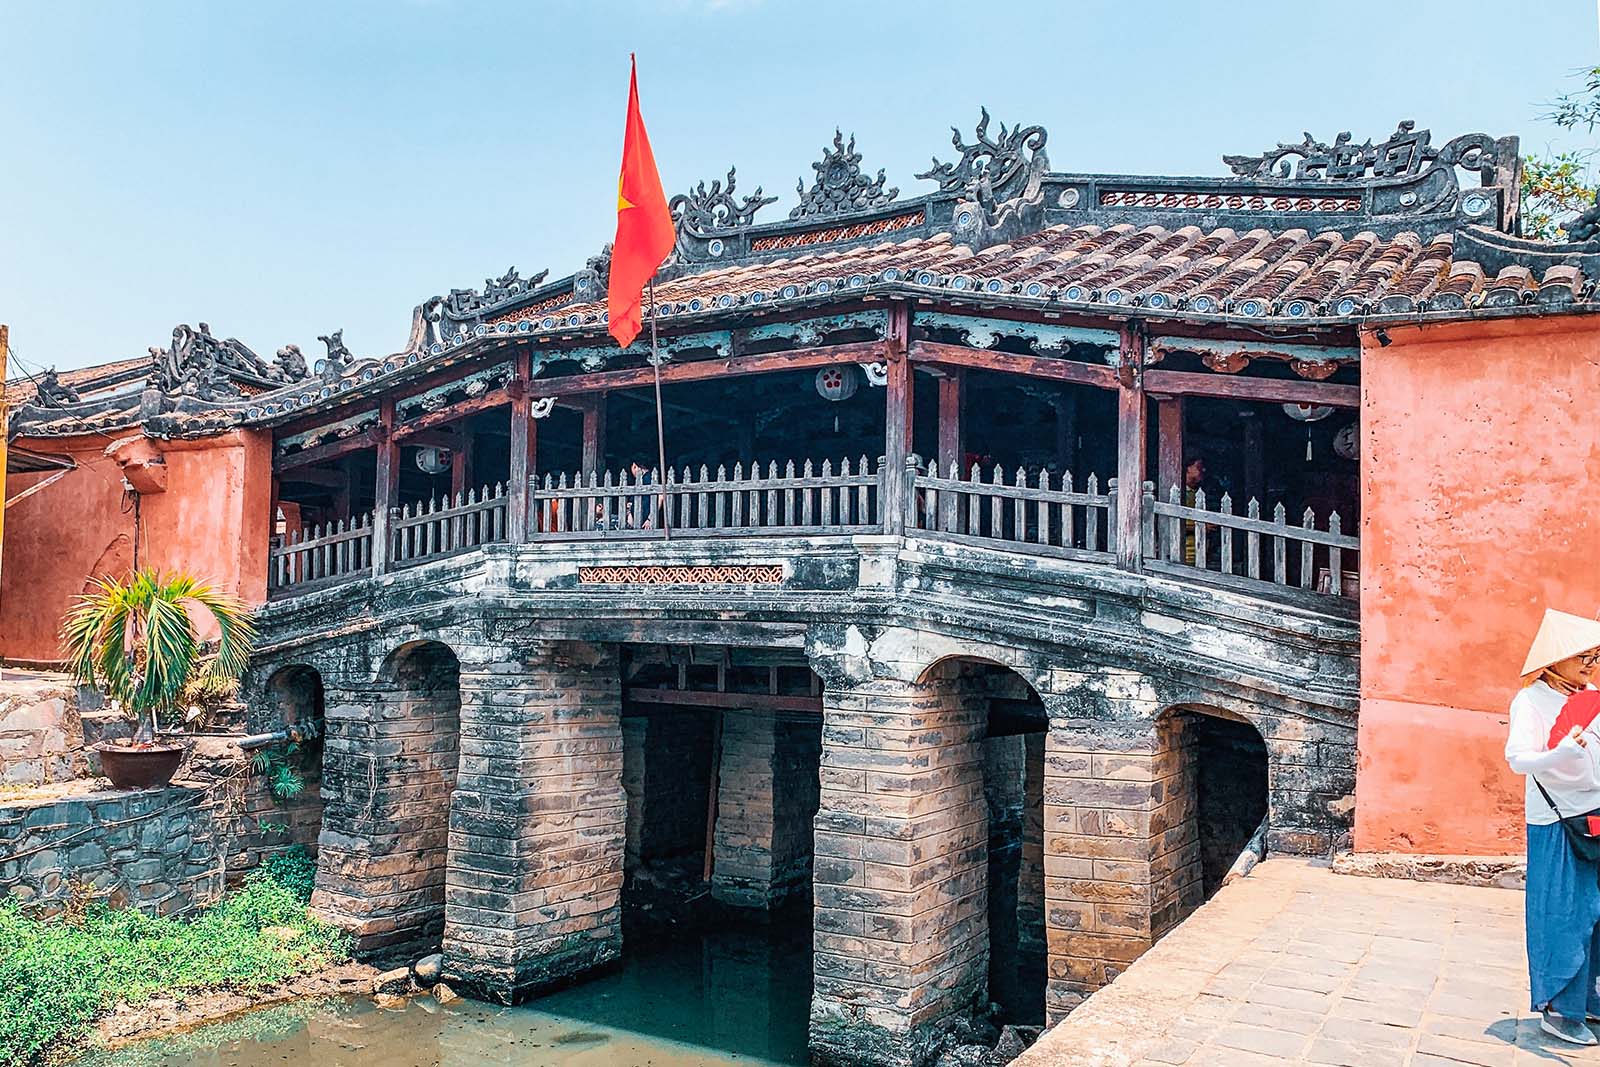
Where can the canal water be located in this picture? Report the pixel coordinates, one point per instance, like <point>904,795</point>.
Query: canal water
<point>721,998</point>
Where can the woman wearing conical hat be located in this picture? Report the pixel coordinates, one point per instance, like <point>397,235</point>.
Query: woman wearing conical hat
<point>1563,896</point>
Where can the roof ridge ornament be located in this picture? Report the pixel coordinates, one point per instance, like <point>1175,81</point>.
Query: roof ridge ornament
<point>204,366</point>
<point>839,187</point>
<point>1404,153</point>
<point>51,392</point>
<point>994,171</point>
<point>702,210</point>
<point>1000,180</point>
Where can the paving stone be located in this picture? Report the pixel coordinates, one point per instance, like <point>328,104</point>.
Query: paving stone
<point>1261,1040</point>
<point>1345,1054</point>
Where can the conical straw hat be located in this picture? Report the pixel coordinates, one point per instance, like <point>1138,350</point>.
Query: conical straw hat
<point>1561,635</point>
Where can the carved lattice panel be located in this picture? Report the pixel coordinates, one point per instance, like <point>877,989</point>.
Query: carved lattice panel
<point>727,574</point>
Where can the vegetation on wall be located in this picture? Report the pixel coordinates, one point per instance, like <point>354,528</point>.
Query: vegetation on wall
<point>58,974</point>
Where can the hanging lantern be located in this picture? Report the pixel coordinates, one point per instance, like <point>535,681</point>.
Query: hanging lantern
<point>1347,443</point>
<point>432,460</point>
<point>1307,412</point>
<point>838,382</point>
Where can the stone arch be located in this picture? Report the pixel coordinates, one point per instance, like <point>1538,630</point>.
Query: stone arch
<point>392,758</point>
<point>1221,783</point>
<point>1012,723</point>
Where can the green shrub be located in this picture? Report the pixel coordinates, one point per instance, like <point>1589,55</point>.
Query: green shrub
<point>57,975</point>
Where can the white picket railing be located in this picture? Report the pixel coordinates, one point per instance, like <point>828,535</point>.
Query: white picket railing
<point>790,500</point>
<point>1030,514</point>
<point>1321,559</point>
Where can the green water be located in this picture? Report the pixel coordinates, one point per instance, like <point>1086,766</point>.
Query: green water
<point>729,997</point>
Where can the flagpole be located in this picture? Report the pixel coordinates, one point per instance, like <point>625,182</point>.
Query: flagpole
<point>661,433</point>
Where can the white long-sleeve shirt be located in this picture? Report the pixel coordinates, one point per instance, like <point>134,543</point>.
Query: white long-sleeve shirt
<point>1570,771</point>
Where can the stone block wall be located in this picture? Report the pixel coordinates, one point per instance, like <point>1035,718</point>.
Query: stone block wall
<point>1122,855</point>
<point>154,849</point>
<point>389,767</point>
<point>767,796</point>
<point>538,823</point>
<point>902,946</point>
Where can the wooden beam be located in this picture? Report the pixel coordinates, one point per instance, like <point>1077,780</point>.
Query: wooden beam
<point>430,438</point>
<point>1131,429</point>
<point>764,363</point>
<point>523,443</point>
<point>461,462</point>
<point>594,434</point>
<point>1169,446</point>
<point>494,398</point>
<point>897,422</point>
<point>388,487</point>
<point>697,698</point>
<point>952,438</point>
<point>317,454</point>
<point>314,476</point>
<point>1241,387</point>
<point>1059,370</point>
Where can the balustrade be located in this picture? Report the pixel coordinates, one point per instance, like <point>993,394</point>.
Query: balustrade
<point>1034,514</point>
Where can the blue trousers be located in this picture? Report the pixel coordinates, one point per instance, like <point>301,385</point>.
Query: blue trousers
<point>1563,926</point>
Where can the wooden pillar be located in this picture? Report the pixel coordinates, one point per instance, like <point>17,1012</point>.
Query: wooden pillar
<point>594,434</point>
<point>1169,451</point>
<point>952,438</point>
<point>1131,430</point>
<point>519,515</point>
<point>1066,406</point>
<point>461,462</point>
<point>344,493</point>
<point>1255,470</point>
<point>898,396</point>
<point>388,485</point>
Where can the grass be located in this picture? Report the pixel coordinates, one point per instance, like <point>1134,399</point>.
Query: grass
<point>58,975</point>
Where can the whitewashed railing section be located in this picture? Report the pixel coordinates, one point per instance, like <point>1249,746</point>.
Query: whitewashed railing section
<point>443,527</point>
<point>1033,514</point>
<point>322,554</point>
<point>790,500</point>
<point>1318,558</point>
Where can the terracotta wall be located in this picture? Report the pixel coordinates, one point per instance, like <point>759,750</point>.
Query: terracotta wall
<point>211,520</point>
<point>1480,459</point>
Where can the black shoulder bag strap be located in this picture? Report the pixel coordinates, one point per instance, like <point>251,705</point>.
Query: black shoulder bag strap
<point>1584,844</point>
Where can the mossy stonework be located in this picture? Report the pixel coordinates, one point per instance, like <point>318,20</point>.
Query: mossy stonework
<point>486,689</point>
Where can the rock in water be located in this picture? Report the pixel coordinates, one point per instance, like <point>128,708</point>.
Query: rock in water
<point>444,994</point>
<point>427,970</point>
<point>388,1000</point>
<point>964,1056</point>
<point>395,981</point>
<point>1014,1041</point>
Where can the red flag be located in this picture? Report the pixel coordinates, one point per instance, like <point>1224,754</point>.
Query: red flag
<point>644,225</point>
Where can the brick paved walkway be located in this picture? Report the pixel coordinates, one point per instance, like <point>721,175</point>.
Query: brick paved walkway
<point>1298,965</point>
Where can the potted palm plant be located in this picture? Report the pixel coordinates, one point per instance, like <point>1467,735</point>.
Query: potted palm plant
<point>135,640</point>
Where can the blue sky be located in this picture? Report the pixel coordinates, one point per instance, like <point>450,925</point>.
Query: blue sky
<point>281,170</point>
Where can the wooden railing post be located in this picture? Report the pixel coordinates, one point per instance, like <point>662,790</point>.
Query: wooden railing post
<point>1147,524</point>
<point>387,488</point>
<point>1132,419</point>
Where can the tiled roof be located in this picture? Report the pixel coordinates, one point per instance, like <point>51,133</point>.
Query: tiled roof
<point>1292,273</point>
<point>23,389</point>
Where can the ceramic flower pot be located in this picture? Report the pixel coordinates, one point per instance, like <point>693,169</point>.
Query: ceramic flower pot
<point>131,767</point>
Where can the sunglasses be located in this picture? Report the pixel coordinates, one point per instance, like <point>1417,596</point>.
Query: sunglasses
<point>1590,659</point>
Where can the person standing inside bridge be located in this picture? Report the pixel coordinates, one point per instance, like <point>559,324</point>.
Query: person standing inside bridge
<point>1563,889</point>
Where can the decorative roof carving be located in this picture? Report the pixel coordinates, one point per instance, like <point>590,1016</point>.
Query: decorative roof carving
<point>465,305</point>
<point>291,363</point>
<point>839,187</point>
<point>1000,174</point>
<point>1406,152</point>
<point>995,168</point>
<point>206,367</point>
<point>702,210</point>
<point>50,393</point>
<point>339,357</point>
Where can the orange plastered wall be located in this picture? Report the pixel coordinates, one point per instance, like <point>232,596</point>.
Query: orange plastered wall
<point>210,521</point>
<point>1480,465</point>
